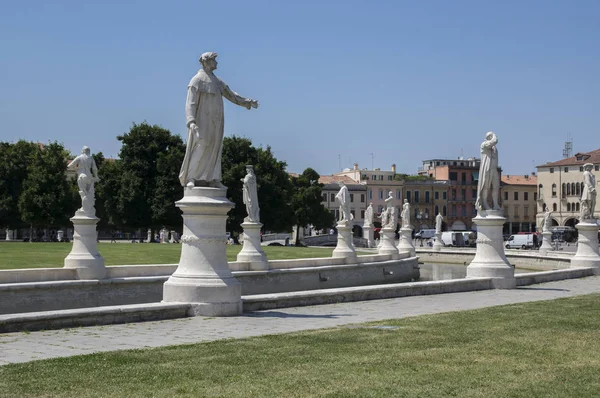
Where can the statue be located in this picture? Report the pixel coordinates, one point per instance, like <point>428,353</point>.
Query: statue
<point>392,215</point>
<point>546,223</point>
<point>343,198</point>
<point>384,217</point>
<point>488,174</point>
<point>250,195</point>
<point>204,117</point>
<point>369,215</point>
<point>439,219</point>
<point>87,175</point>
<point>405,214</point>
<point>588,195</point>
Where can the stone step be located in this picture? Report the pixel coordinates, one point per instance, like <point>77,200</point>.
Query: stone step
<point>360,293</point>
<point>46,320</point>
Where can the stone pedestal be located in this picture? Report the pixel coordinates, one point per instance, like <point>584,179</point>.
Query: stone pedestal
<point>388,242</point>
<point>438,245</point>
<point>345,244</point>
<point>490,260</point>
<point>546,243</point>
<point>252,251</point>
<point>587,246</point>
<point>84,256</point>
<point>368,234</point>
<point>203,278</point>
<point>406,243</point>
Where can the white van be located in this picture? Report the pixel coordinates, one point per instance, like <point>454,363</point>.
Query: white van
<point>453,238</point>
<point>521,241</point>
<point>425,234</point>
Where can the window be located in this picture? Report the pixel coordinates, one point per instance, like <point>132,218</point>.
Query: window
<point>564,190</point>
<point>427,197</point>
<point>370,193</point>
<point>568,206</point>
<point>390,178</point>
<point>572,188</point>
<point>580,168</point>
<point>398,194</point>
<point>566,169</point>
<point>554,192</point>
<point>473,194</point>
<point>554,207</point>
<point>453,194</point>
<point>351,197</point>
<point>416,196</point>
<point>505,195</point>
<point>324,198</point>
<point>526,211</point>
<point>332,197</point>
<point>444,195</point>
<point>464,210</point>
<point>596,167</point>
<point>569,189</point>
<point>444,211</point>
<point>516,196</point>
<point>463,177</point>
<point>362,214</point>
<point>453,214</point>
<point>409,196</point>
<point>437,209</point>
<point>364,177</point>
<point>380,177</point>
<point>535,196</point>
<point>525,195</point>
<point>577,206</point>
<point>577,189</point>
<point>463,194</point>
<point>436,196</point>
<point>453,176</point>
<point>373,177</point>
<point>516,211</point>
<point>352,212</point>
<point>380,194</point>
<point>551,169</point>
<point>362,198</point>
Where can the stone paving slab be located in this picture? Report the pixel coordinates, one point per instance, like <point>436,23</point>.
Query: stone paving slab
<point>24,347</point>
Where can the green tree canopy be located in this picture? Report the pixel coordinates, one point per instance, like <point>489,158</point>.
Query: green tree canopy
<point>273,184</point>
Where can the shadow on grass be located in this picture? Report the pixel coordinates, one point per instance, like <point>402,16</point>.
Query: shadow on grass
<point>279,314</point>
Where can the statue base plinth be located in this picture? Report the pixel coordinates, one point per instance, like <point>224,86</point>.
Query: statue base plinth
<point>203,278</point>
<point>84,256</point>
<point>345,244</point>
<point>252,252</point>
<point>546,243</point>
<point>490,260</point>
<point>388,242</point>
<point>406,243</point>
<point>587,246</point>
<point>369,235</point>
<point>438,245</point>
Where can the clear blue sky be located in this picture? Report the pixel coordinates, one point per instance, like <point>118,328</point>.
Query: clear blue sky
<point>404,80</point>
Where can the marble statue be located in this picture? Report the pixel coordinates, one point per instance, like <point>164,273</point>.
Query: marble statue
<point>250,196</point>
<point>384,217</point>
<point>439,219</point>
<point>343,199</point>
<point>546,220</point>
<point>489,181</point>
<point>369,215</point>
<point>588,195</point>
<point>405,214</point>
<point>204,117</point>
<point>392,214</point>
<point>87,175</point>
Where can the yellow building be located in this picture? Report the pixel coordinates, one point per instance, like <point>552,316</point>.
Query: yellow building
<point>519,200</point>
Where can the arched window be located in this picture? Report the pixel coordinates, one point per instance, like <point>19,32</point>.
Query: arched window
<point>554,191</point>
<point>444,211</point>
<point>572,188</point>
<point>564,190</point>
<point>577,206</point>
<point>568,207</point>
<point>582,185</point>
<point>577,189</point>
<point>554,207</point>
<point>437,209</point>
<point>568,189</point>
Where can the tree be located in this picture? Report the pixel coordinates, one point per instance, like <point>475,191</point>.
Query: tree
<point>14,161</point>
<point>306,201</point>
<point>46,198</point>
<point>148,183</point>
<point>273,184</point>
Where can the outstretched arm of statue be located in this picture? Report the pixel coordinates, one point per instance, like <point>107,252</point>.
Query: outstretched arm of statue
<point>73,163</point>
<point>238,99</point>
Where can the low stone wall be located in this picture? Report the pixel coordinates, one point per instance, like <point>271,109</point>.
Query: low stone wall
<point>522,259</point>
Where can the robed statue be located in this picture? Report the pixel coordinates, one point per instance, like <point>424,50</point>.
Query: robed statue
<point>87,175</point>
<point>204,117</point>
<point>369,216</point>
<point>405,215</point>
<point>489,182</point>
<point>588,194</point>
<point>250,196</point>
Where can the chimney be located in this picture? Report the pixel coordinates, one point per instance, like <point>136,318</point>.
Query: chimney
<point>394,168</point>
<point>355,166</point>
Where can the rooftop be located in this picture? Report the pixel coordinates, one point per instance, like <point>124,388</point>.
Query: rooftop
<point>519,179</point>
<point>579,159</point>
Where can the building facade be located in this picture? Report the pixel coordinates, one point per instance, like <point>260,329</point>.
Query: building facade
<point>358,199</point>
<point>519,200</point>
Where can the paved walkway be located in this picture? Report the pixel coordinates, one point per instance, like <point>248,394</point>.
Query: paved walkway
<point>24,347</point>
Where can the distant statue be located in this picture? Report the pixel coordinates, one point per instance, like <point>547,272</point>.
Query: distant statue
<point>588,195</point>
<point>343,199</point>
<point>250,196</point>
<point>384,217</point>
<point>87,175</point>
<point>392,214</point>
<point>204,117</point>
<point>405,214</point>
<point>546,220</point>
<point>488,174</point>
<point>369,216</point>
<point>439,219</point>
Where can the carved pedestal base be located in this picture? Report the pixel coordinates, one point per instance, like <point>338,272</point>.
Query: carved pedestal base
<point>368,234</point>
<point>587,246</point>
<point>438,245</point>
<point>546,243</point>
<point>406,243</point>
<point>388,242</point>
<point>252,252</point>
<point>490,260</point>
<point>84,256</point>
<point>345,245</point>
<point>203,278</point>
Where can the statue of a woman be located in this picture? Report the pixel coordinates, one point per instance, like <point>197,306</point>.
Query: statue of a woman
<point>489,182</point>
<point>250,196</point>
<point>405,214</point>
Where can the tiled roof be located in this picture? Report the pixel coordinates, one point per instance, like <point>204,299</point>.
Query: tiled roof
<point>519,180</point>
<point>334,179</point>
<point>586,157</point>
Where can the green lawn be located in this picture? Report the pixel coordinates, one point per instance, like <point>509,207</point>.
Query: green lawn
<point>541,349</point>
<point>15,255</point>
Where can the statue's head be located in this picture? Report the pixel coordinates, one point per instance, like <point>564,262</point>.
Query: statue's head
<point>588,166</point>
<point>489,135</point>
<point>341,183</point>
<point>85,150</point>
<point>209,60</point>
<point>405,200</point>
<point>250,169</point>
